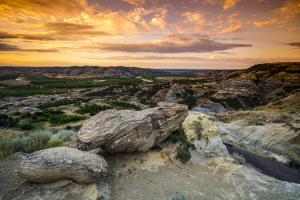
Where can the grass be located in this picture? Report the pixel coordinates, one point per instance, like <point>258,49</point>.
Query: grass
<point>55,143</point>
<point>238,159</point>
<point>37,140</point>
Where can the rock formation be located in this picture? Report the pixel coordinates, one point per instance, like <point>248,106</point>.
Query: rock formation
<point>62,163</point>
<point>127,130</point>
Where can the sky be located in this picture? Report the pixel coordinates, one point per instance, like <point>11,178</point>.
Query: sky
<point>187,34</point>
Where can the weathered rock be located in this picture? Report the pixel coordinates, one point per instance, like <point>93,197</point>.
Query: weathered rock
<point>127,130</point>
<point>62,163</point>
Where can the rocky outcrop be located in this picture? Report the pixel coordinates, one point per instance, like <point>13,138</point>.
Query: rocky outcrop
<point>127,130</point>
<point>62,163</point>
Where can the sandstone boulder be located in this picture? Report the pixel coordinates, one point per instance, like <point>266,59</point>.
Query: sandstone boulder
<point>128,130</point>
<point>62,163</point>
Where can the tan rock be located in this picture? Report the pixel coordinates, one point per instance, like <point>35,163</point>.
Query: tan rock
<point>127,130</point>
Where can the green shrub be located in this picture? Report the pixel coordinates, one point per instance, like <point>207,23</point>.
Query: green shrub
<point>93,109</point>
<point>26,126</point>
<point>23,144</point>
<point>238,159</point>
<point>63,118</point>
<point>55,143</point>
<point>124,105</point>
<point>6,121</point>
<point>6,146</point>
<point>183,151</point>
<point>64,135</point>
<point>39,140</point>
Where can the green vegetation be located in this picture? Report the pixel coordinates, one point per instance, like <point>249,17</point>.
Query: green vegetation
<point>39,139</point>
<point>188,98</point>
<point>64,135</point>
<point>238,159</point>
<point>124,105</point>
<point>183,151</point>
<point>198,128</point>
<point>146,95</point>
<point>26,126</point>
<point>47,86</point>
<point>6,146</point>
<point>93,109</point>
<point>55,143</point>
<point>53,116</point>
<point>6,121</point>
<point>189,81</point>
<point>62,102</point>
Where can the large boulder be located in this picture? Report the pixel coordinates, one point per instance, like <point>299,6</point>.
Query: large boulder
<point>62,163</point>
<point>128,130</point>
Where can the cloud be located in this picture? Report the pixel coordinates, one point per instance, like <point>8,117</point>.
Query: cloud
<point>8,47</point>
<point>294,44</point>
<point>231,29</point>
<point>66,28</point>
<point>282,15</point>
<point>229,4</point>
<point>134,2</point>
<point>21,10</point>
<point>178,44</point>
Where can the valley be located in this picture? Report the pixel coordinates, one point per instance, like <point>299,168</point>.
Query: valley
<point>238,139</point>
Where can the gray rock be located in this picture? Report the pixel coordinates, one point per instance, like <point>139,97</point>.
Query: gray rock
<point>127,130</point>
<point>62,163</point>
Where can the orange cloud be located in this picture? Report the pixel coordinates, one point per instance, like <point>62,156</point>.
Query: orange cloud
<point>229,4</point>
<point>135,2</point>
<point>282,15</point>
<point>175,43</point>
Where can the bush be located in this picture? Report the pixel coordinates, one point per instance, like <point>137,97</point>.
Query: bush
<point>124,105</point>
<point>26,126</point>
<point>63,118</point>
<point>93,109</point>
<point>22,144</point>
<point>238,159</point>
<point>64,135</point>
<point>39,140</point>
<point>55,143</point>
<point>183,151</point>
<point>6,121</point>
<point>6,146</point>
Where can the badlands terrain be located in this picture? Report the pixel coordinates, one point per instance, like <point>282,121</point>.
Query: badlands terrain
<point>92,133</point>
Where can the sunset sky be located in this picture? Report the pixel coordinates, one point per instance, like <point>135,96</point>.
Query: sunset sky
<point>202,34</point>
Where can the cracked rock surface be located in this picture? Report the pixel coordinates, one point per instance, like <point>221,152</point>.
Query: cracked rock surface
<point>128,130</point>
<point>62,163</point>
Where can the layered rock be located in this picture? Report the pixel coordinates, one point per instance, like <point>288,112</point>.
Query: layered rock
<point>62,163</point>
<point>127,130</point>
